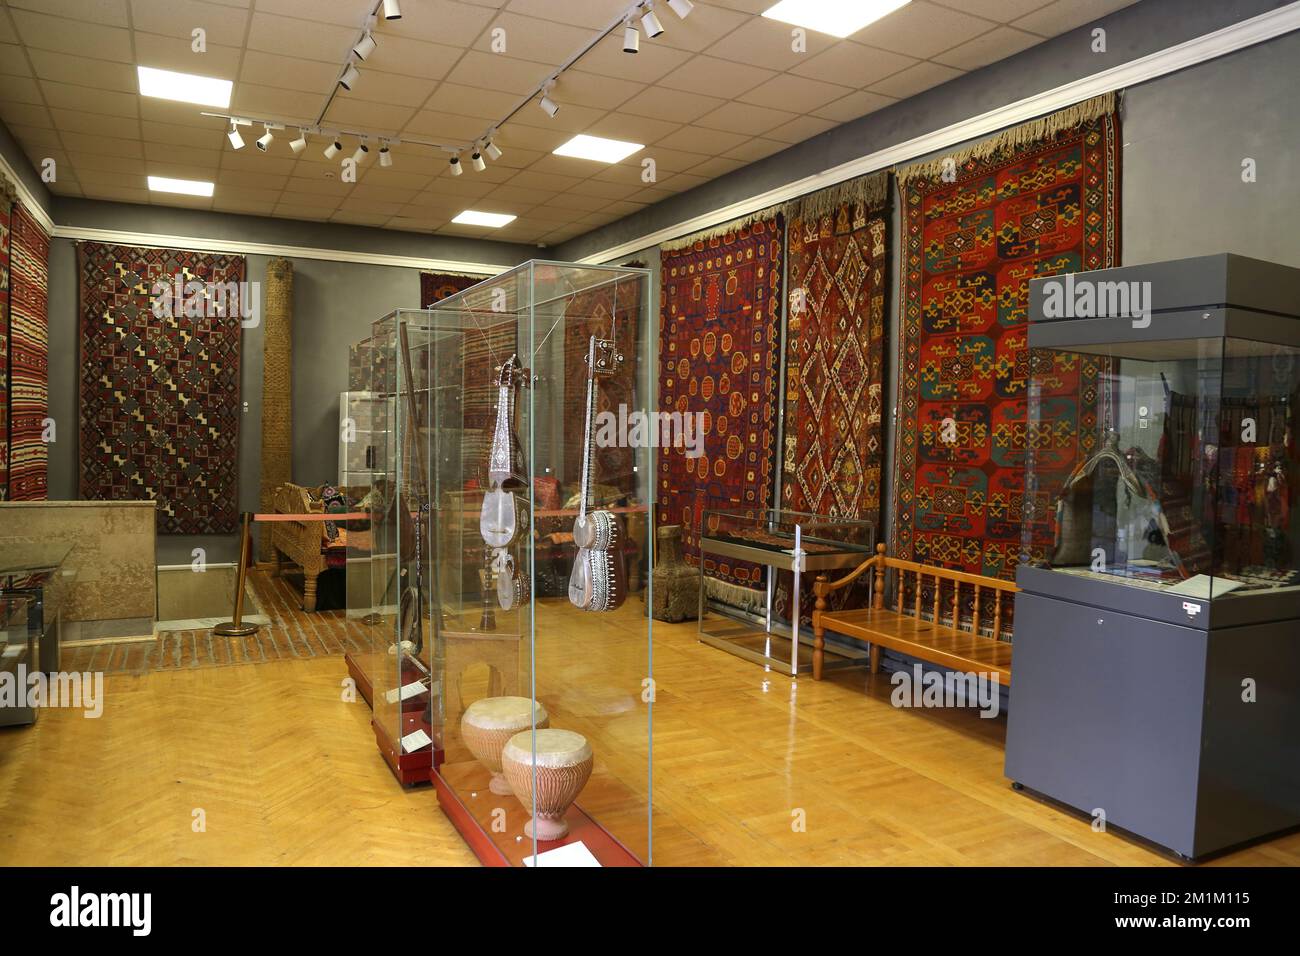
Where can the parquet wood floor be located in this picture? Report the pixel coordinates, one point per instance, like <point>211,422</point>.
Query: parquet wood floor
<point>288,773</point>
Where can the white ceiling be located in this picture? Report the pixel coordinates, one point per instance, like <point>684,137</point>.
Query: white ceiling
<point>713,93</point>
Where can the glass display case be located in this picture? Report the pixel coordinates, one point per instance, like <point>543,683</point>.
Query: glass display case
<point>19,657</point>
<point>788,545</point>
<point>1157,630</point>
<point>512,654</point>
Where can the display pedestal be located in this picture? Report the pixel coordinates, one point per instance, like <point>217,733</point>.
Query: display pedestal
<point>360,678</point>
<point>465,798</point>
<point>409,769</point>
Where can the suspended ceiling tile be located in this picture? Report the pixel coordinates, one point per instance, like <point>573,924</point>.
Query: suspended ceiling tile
<point>755,149</point>
<point>848,64</point>
<point>351,15</point>
<point>441,21</point>
<point>172,53</point>
<point>706,25</point>
<point>73,36</point>
<point>452,186</point>
<point>23,90</point>
<point>408,224</point>
<point>402,55</point>
<point>307,39</point>
<point>373,192</point>
<point>605,190</point>
<point>696,138</point>
<point>854,105</point>
<point>516,158</point>
<point>237,194</point>
<point>492,72</point>
<point>520,198</point>
<point>310,192</point>
<point>769,43</point>
<point>200,174</point>
<point>998,44</point>
<point>745,6</point>
<point>12,61</point>
<point>444,127</point>
<point>368,115</point>
<point>540,139</point>
<point>713,168</point>
<point>179,114</point>
<point>178,18</point>
<point>25,114</point>
<point>593,14</point>
<point>34,138</point>
<point>83,71</point>
<point>245,179</point>
<point>797,93</point>
<point>677,106</point>
<point>1002,11</point>
<point>626,173</point>
<point>915,79</point>
<point>745,118</point>
<point>674,160</point>
<point>359,218</point>
<point>171,153</point>
<point>310,213</point>
<point>239,207</point>
<point>72,121</point>
<point>399,175</point>
<point>546,181</point>
<point>571,119</point>
<point>922,29</point>
<point>545,213</point>
<point>98,171</point>
<point>633,129</point>
<point>8,35</point>
<point>110,13</point>
<point>112,192</point>
<point>105,102</point>
<point>290,73</point>
<point>171,133</point>
<point>268,101</point>
<point>580,88</point>
<point>653,62</point>
<point>576,203</point>
<point>529,38</point>
<point>488,105</point>
<point>800,128</point>
<point>715,77</point>
<point>254,161</point>
<point>369,207</point>
<point>1065,15</point>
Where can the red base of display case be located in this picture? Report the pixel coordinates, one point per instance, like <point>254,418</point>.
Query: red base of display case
<point>464,797</point>
<point>360,678</point>
<point>410,769</point>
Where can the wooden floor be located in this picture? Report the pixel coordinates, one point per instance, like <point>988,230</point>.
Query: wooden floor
<point>286,772</point>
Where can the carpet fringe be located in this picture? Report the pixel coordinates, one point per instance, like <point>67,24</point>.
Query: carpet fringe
<point>722,231</point>
<point>736,595</point>
<point>1017,136</point>
<point>872,190</point>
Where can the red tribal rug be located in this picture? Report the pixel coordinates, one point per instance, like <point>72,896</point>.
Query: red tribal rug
<point>1042,199</point>
<point>436,286</point>
<point>719,327</point>
<point>29,357</point>
<point>7,199</point>
<point>160,392</point>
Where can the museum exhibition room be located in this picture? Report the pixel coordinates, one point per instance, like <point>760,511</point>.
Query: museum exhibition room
<point>457,433</point>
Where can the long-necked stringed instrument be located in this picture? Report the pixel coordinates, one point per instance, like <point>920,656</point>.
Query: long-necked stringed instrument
<point>504,514</point>
<point>599,580</point>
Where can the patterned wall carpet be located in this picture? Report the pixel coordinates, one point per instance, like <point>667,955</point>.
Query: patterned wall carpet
<point>29,357</point>
<point>160,394</point>
<point>7,197</point>
<point>1034,206</point>
<point>719,327</point>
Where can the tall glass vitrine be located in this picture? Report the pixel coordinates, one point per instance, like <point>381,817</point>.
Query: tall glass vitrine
<point>521,686</point>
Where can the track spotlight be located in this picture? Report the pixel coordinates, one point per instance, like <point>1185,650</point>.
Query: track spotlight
<point>392,10</point>
<point>350,77</point>
<point>549,105</point>
<point>650,23</point>
<point>682,8</point>
<point>454,163</point>
<point>493,152</point>
<point>365,46</point>
<point>360,154</point>
<point>236,140</point>
<point>631,37</point>
<point>264,140</point>
<point>333,149</point>
<point>477,160</point>
<point>385,156</point>
<point>299,144</point>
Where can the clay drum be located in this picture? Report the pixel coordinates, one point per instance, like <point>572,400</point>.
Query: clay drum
<point>489,723</point>
<point>562,762</point>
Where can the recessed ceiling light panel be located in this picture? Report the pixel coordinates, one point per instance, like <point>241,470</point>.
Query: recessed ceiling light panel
<point>190,187</point>
<point>839,18</point>
<point>597,148</point>
<point>495,220</point>
<point>185,87</point>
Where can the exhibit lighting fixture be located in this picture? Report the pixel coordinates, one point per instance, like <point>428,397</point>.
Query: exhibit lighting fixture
<point>365,46</point>
<point>651,23</point>
<point>299,144</point>
<point>492,150</point>
<point>350,76</point>
<point>477,159</point>
<point>360,154</point>
<point>392,10</point>
<point>456,168</point>
<point>838,18</point>
<point>631,37</point>
<point>333,149</point>
<point>185,87</point>
<point>598,148</point>
<point>549,105</point>
<point>682,8</point>
<point>264,140</point>
<point>190,187</point>
<point>236,140</point>
<point>494,220</point>
<point>385,156</point>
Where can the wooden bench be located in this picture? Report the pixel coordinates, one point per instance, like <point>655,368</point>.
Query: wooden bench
<point>970,639</point>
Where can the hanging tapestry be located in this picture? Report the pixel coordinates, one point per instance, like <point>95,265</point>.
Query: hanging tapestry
<point>29,356</point>
<point>436,286</point>
<point>1042,199</point>
<point>588,314</point>
<point>718,338</point>
<point>160,382</point>
<point>7,197</point>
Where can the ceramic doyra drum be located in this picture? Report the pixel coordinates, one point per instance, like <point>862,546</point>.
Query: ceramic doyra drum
<point>489,723</point>
<point>563,763</point>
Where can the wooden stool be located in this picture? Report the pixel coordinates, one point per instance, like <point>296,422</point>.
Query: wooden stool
<point>560,768</point>
<point>489,723</point>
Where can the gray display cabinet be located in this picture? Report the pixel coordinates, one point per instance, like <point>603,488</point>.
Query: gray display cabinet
<point>1157,635</point>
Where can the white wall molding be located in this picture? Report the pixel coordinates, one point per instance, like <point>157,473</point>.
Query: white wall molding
<point>27,197</point>
<point>1238,36</point>
<point>208,244</point>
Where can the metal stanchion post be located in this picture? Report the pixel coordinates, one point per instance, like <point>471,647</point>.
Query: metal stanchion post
<point>236,627</point>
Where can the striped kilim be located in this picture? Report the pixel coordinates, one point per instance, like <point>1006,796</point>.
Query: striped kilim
<point>29,357</point>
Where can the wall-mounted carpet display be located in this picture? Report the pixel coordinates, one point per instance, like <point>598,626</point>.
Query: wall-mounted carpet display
<point>719,327</point>
<point>436,286</point>
<point>29,356</point>
<point>160,382</point>
<point>592,313</point>
<point>277,391</point>
<point>1040,199</point>
<point>8,196</point>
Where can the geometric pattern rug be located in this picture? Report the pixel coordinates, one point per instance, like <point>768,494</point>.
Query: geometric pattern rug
<point>159,387</point>
<point>972,239</point>
<point>7,199</point>
<point>29,357</point>
<point>719,328</point>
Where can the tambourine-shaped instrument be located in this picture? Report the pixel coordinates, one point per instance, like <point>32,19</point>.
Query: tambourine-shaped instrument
<point>512,587</point>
